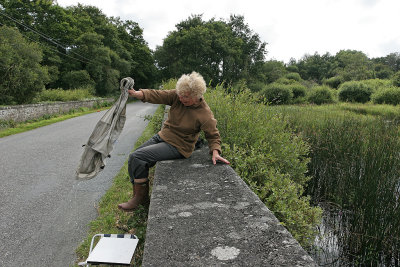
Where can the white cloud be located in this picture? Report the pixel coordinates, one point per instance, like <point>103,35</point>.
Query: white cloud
<point>291,28</point>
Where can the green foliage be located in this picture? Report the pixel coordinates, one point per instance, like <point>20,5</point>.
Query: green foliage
<point>396,79</point>
<point>387,95</point>
<point>315,67</point>
<point>382,71</point>
<point>286,81</point>
<point>64,95</point>
<point>277,94</point>
<point>221,51</point>
<point>353,65</point>
<point>293,76</point>
<point>392,61</point>
<point>333,82</point>
<point>355,91</point>
<point>21,74</point>
<point>170,84</point>
<point>298,90</point>
<point>272,70</point>
<point>355,166</point>
<point>376,84</point>
<point>256,86</point>
<point>77,79</point>
<point>320,95</point>
<point>109,49</point>
<point>268,156</point>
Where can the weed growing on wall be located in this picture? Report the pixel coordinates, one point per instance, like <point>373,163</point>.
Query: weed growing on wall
<point>268,156</point>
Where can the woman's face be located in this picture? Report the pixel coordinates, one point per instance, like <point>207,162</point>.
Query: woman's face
<point>188,100</point>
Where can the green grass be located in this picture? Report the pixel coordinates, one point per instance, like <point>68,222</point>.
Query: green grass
<point>110,219</point>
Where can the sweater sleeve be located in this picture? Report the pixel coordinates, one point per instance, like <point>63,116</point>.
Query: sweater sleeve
<point>212,134</point>
<point>159,96</point>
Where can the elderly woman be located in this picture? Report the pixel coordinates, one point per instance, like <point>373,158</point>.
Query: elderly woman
<point>189,114</point>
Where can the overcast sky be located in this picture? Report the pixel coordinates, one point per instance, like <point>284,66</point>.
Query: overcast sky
<point>292,28</point>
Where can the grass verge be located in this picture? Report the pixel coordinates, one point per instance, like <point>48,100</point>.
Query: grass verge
<point>110,219</point>
<point>9,127</point>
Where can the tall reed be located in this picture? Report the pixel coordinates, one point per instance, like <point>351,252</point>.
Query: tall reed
<point>355,164</point>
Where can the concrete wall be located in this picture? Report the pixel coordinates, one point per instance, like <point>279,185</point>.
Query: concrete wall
<point>205,215</point>
<point>20,113</point>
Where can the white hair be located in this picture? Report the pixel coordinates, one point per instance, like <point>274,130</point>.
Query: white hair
<point>193,83</point>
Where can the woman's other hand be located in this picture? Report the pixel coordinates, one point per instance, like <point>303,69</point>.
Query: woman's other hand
<point>216,157</point>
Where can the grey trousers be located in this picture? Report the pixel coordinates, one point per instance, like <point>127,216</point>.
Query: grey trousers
<point>146,156</point>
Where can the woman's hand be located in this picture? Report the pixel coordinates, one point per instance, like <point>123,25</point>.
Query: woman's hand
<point>137,94</point>
<point>216,156</point>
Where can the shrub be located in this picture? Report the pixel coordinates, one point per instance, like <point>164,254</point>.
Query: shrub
<point>293,76</point>
<point>78,79</point>
<point>388,95</point>
<point>320,95</point>
<point>298,90</point>
<point>256,86</point>
<point>21,72</point>
<point>64,95</point>
<point>376,84</point>
<point>170,84</point>
<point>333,82</point>
<point>277,94</point>
<point>269,157</point>
<point>354,91</point>
<point>396,79</point>
<point>285,81</point>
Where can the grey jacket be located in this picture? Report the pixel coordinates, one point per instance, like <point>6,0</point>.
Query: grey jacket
<point>104,135</point>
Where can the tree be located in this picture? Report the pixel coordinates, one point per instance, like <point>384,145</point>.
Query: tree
<point>57,31</point>
<point>221,51</point>
<point>392,61</point>
<point>272,70</point>
<point>353,65</point>
<point>21,74</point>
<point>315,67</point>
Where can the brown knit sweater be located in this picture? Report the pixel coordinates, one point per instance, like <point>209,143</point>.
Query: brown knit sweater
<point>183,126</point>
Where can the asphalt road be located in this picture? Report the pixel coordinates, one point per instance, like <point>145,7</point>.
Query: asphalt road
<point>44,210</point>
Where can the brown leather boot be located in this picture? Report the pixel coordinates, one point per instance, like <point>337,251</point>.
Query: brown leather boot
<point>140,197</point>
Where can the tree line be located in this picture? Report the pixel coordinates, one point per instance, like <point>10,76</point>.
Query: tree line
<point>45,46</point>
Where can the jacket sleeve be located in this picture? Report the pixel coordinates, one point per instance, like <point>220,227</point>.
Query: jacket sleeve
<point>212,134</point>
<point>159,96</point>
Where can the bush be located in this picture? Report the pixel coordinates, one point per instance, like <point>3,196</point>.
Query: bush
<point>293,76</point>
<point>285,81</point>
<point>388,95</point>
<point>354,91</point>
<point>64,95</point>
<point>320,95</point>
<point>256,86</point>
<point>78,79</point>
<point>396,79</point>
<point>333,82</point>
<point>376,84</point>
<point>298,90</point>
<point>269,157</point>
<point>168,85</point>
<point>277,94</point>
<point>21,72</point>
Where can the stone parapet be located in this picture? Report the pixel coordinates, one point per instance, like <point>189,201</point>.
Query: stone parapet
<point>205,215</point>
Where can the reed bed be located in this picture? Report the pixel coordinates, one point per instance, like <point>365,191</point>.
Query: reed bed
<point>355,170</point>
